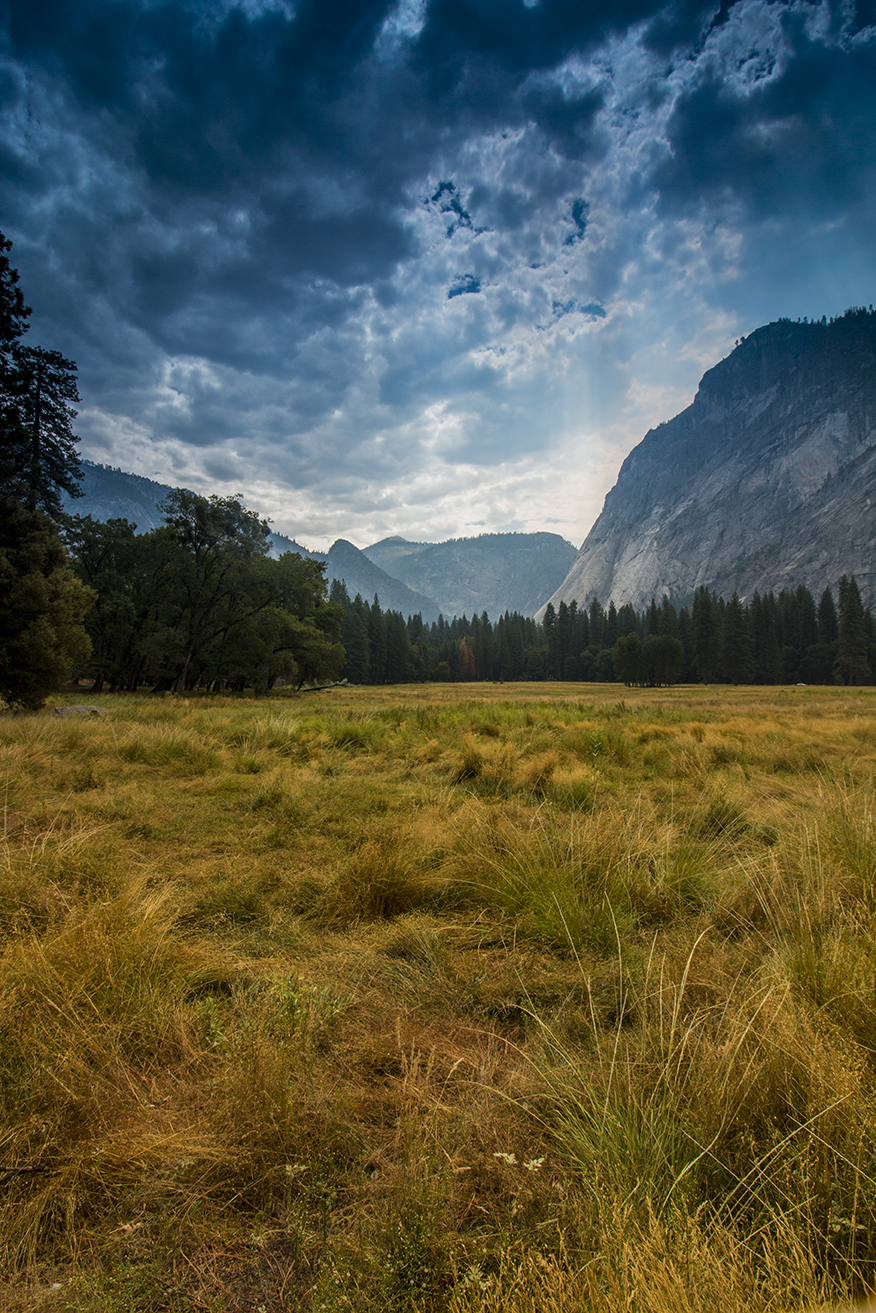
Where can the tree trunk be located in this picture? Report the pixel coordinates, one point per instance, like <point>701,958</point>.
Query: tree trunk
<point>35,448</point>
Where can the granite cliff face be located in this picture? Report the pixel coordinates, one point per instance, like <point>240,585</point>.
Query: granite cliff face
<point>768,480</point>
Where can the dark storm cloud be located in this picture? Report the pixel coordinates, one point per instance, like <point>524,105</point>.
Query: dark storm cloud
<point>223,63</point>
<point>511,38</point>
<point>228,112</point>
<point>263,151</point>
<point>208,95</point>
<point>780,140</point>
<point>380,237</point>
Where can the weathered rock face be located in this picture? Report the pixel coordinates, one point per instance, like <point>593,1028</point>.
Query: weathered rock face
<point>767,481</point>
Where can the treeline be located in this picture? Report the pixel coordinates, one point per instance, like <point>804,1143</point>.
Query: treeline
<point>382,647</point>
<point>786,639</point>
<point>199,603</point>
<point>770,640</point>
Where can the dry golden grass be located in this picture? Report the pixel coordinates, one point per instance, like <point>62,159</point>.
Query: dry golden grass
<point>440,998</point>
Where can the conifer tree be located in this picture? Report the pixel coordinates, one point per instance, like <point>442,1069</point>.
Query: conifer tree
<point>42,634</point>
<point>706,635</point>
<point>668,618</point>
<point>356,642</point>
<point>828,624</point>
<point>611,625</point>
<point>852,661</point>
<point>627,620</point>
<point>597,623</point>
<point>13,311</point>
<point>397,649</point>
<point>376,643</point>
<point>737,666</point>
<point>685,637</point>
<point>39,446</point>
<point>42,603</point>
<point>550,624</point>
<point>765,641</point>
<point>807,618</point>
<point>38,457</point>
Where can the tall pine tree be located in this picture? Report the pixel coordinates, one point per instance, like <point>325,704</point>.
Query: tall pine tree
<point>42,603</point>
<point>852,662</point>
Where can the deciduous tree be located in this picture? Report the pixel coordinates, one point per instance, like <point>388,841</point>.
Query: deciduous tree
<point>627,659</point>
<point>198,602</point>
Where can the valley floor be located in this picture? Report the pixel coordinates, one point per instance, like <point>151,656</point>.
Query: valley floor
<point>514,997</point>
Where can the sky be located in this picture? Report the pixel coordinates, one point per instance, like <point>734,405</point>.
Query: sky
<point>423,267</point>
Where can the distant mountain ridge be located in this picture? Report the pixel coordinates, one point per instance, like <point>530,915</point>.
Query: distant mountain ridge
<point>767,480</point>
<point>493,573</point>
<point>361,575</point>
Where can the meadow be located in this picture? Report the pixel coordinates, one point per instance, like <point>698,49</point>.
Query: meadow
<point>452,998</point>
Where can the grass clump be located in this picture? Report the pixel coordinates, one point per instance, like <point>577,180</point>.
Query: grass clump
<point>380,880</point>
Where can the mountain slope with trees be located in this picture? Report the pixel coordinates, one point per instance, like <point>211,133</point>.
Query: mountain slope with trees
<point>766,481</point>
<point>108,493</point>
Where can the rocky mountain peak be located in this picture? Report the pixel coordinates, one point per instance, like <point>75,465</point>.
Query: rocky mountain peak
<point>767,480</point>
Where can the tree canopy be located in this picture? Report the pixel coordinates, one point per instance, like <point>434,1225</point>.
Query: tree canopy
<point>199,603</point>
<point>13,311</point>
<point>42,636</point>
<point>40,456</point>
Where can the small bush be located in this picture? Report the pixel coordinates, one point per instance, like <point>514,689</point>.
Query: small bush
<point>722,819</point>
